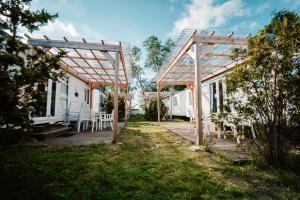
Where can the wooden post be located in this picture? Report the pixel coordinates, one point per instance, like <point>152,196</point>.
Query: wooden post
<point>218,95</point>
<point>198,103</point>
<point>126,105</point>
<point>192,88</point>
<point>91,95</point>
<point>171,107</point>
<point>116,98</point>
<point>158,104</point>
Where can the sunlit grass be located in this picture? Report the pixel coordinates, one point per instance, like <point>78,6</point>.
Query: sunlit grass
<point>147,163</point>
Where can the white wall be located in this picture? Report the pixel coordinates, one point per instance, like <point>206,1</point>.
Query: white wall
<point>96,100</point>
<point>182,97</point>
<point>75,85</point>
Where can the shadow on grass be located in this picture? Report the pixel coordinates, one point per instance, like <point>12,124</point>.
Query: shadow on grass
<point>148,163</point>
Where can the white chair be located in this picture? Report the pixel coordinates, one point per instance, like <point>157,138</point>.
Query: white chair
<point>192,117</point>
<point>94,119</point>
<point>206,126</point>
<point>107,118</point>
<point>84,118</point>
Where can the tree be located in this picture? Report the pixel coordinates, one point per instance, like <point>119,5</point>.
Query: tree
<point>24,71</point>
<point>108,105</point>
<point>151,110</point>
<point>156,52</point>
<point>137,69</point>
<point>268,84</point>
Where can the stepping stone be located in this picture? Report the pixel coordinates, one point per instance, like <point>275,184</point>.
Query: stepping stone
<point>196,148</point>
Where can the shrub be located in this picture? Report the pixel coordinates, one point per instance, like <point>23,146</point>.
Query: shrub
<point>108,105</point>
<point>151,110</point>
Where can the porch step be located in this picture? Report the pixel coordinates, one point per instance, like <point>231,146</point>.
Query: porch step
<point>45,127</point>
<point>59,131</point>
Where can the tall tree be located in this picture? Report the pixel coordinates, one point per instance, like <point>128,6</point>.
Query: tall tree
<point>269,86</point>
<point>24,71</point>
<point>137,69</point>
<point>157,52</point>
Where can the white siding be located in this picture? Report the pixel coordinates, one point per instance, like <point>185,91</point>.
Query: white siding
<point>205,100</point>
<point>97,99</point>
<point>74,85</point>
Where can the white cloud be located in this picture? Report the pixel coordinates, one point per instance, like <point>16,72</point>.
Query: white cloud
<point>61,28</point>
<point>246,25</point>
<point>263,7</point>
<point>206,14</point>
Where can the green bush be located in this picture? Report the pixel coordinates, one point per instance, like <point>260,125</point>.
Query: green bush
<point>151,110</point>
<point>108,105</point>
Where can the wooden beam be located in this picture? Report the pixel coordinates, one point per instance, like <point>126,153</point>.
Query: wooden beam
<point>220,40</point>
<point>105,75</point>
<point>192,66</point>
<point>85,67</point>
<point>121,85</point>
<point>88,64</point>
<point>123,63</point>
<point>176,83</point>
<point>126,105</point>
<point>198,104</point>
<point>180,53</point>
<point>100,64</point>
<point>116,99</point>
<point>91,95</point>
<point>73,45</point>
<point>89,58</point>
<point>110,58</point>
<point>218,55</point>
<point>158,104</point>
<point>71,71</point>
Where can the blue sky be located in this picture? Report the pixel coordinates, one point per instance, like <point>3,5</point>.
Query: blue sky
<point>134,20</point>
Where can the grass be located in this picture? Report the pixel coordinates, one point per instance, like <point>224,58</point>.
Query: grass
<point>147,163</point>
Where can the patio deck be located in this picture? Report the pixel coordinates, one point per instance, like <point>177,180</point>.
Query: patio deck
<point>82,138</point>
<point>228,146</point>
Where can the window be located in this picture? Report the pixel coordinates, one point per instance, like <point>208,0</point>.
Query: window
<point>213,98</point>
<point>87,96</point>
<point>64,91</point>
<point>175,101</point>
<point>53,99</point>
<point>101,99</point>
<point>40,105</point>
<point>190,98</point>
<point>221,96</point>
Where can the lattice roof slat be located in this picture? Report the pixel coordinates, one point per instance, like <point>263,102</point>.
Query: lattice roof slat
<point>149,96</point>
<point>215,56</point>
<point>92,62</point>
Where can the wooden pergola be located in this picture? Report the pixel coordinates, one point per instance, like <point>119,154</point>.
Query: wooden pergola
<point>151,96</point>
<point>95,63</point>
<point>195,58</point>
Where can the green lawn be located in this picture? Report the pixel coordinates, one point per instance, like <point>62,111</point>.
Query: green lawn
<point>148,163</point>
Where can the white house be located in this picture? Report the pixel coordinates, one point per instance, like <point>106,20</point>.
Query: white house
<point>213,97</point>
<point>69,94</point>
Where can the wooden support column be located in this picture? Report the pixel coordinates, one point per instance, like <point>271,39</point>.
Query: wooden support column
<point>49,97</point>
<point>158,104</point>
<point>116,98</point>
<point>171,107</point>
<point>91,95</point>
<point>126,105</point>
<point>198,103</point>
<point>192,88</point>
<point>218,95</point>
